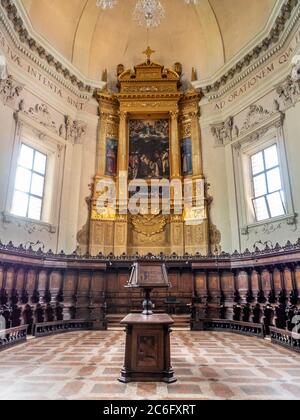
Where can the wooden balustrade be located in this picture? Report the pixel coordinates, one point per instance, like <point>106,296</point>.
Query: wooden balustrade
<point>57,327</point>
<point>245,328</point>
<point>13,336</point>
<point>288,339</point>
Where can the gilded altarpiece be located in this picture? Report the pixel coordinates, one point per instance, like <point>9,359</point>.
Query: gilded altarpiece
<point>148,130</point>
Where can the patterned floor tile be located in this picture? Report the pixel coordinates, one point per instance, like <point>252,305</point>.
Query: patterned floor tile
<point>208,365</point>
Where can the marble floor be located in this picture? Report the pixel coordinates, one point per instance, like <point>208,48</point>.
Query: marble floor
<point>86,365</point>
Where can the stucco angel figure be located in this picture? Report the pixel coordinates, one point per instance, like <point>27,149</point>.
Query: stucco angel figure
<point>296,68</point>
<point>3,68</point>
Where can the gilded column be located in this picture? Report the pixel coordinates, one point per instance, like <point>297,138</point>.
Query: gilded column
<point>196,229</point>
<point>121,222</point>
<point>123,143</point>
<point>176,222</point>
<point>202,230</point>
<point>97,224</point>
<point>101,150</point>
<point>197,146</point>
<point>175,147</point>
<point>101,235</point>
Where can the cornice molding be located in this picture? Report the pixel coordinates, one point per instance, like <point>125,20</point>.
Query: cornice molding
<point>40,119</point>
<point>65,62</point>
<point>49,61</point>
<point>257,38</point>
<point>285,22</point>
<point>256,123</point>
<point>25,38</point>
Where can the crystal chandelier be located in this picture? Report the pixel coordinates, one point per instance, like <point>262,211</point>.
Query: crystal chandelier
<point>148,13</point>
<point>106,4</point>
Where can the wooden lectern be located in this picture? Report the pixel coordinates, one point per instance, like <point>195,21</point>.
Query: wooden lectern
<point>148,347</point>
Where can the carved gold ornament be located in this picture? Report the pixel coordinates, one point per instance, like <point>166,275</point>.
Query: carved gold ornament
<point>186,130</point>
<point>149,225</point>
<point>103,214</point>
<point>148,53</point>
<point>112,130</point>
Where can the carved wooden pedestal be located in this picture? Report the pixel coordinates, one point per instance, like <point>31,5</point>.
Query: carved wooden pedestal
<point>148,349</point>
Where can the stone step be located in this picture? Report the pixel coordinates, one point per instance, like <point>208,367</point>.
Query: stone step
<point>180,321</point>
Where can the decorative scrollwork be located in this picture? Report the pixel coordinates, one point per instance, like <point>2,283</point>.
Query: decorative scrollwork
<point>10,90</point>
<point>149,225</point>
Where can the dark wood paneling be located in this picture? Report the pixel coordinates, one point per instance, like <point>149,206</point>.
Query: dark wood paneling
<point>53,286</point>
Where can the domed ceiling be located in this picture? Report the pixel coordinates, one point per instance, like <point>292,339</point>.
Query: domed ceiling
<point>206,36</point>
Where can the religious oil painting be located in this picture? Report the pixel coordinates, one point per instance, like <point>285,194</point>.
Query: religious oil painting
<point>111,157</point>
<point>187,157</point>
<point>147,351</point>
<point>149,154</point>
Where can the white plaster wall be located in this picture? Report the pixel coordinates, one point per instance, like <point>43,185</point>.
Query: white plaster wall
<point>214,166</point>
<point>280,231</point>
<point>7,127</point>
<point>13,231</point>
<point>88,168</point>
<point>292,132</point>
<point>220,170</point>
<point>76,169</point>
<point>222,174</point>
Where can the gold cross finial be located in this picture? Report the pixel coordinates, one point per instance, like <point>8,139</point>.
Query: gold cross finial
<point>148,53</point>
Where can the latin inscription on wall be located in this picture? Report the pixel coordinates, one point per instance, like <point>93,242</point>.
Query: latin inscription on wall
<point>261,76</point>
<point>37,75</point>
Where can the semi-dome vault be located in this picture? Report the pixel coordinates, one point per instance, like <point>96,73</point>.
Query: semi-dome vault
<point>206,36</point>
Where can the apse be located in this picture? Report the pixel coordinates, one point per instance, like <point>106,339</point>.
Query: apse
<point>149,202</point>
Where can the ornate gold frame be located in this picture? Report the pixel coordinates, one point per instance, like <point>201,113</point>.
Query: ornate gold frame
<point>148,91</point>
